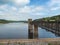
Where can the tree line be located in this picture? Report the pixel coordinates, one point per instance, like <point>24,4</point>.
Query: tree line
<point>51,19</point>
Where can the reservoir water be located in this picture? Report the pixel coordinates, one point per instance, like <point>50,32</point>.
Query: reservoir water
<point>20,31</point>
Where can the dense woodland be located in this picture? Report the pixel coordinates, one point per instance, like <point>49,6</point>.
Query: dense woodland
<point>3,21</point>
<point>51,19</point>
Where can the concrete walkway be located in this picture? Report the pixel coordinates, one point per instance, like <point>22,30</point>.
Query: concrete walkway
<point>41,41</point>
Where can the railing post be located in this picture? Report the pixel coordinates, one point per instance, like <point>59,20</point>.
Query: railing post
<point>35,31</point>
<point>30,29</point>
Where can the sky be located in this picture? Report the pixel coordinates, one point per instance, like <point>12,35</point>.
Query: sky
<point>26,9</point>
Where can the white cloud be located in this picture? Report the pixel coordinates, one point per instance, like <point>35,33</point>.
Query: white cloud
<point>55,8</point>
<point>19,9</point>
<point>54,2</point>
<point>20,13</point>
<point>26,9</point>
<point>31,10</point>
<point>15,2</point>
<point>14,8</point>
<point>38,9</point>
<point>1,13</point>
<point>40,14</point>
<point>21,2</point>
<point>3,7</point>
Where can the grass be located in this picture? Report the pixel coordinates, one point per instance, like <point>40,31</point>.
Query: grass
<point>1,44</point>
<point>49,44</point>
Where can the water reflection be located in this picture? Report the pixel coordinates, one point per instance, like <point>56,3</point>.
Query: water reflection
<point>20,31</point>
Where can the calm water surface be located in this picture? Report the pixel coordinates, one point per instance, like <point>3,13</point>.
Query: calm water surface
<point>20,31</point>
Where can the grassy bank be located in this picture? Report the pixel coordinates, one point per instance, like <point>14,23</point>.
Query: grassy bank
<point>9,21</point>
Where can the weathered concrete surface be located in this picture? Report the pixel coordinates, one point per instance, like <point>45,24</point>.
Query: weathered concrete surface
<point>29,40</point>
<point>42,41</point>
<point>30,29</point>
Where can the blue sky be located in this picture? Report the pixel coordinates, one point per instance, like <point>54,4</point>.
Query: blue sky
<point>25,9</point>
